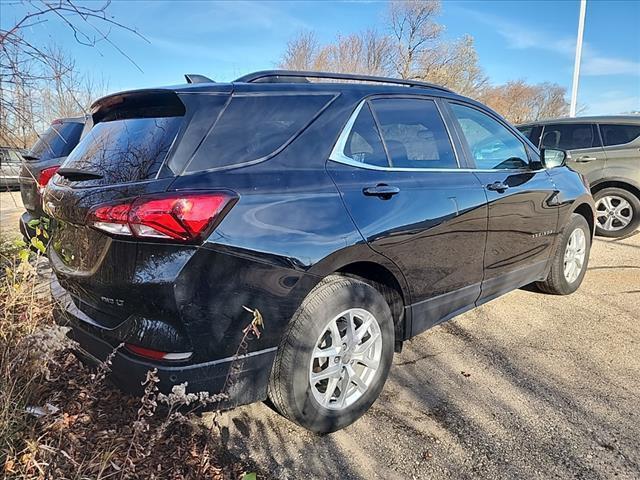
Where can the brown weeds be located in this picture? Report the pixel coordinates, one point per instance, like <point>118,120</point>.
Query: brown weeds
<point>58,419</point>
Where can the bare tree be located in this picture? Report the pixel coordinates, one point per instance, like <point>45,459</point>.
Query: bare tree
<point>302,53</point>
<point>413,29</point>
<point>68,93</point>
<point>412,49</point>
<point>28,69</point>
<point>454,65</point>
<point>366,53</point>
<point>520,102</point>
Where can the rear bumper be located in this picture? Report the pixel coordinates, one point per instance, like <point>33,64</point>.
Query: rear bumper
<point>9,182</point>
<point>243,377</point>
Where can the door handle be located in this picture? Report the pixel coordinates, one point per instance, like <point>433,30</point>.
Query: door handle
<point>585,159</point>
<point>381,190</point>
<point>498,186</point>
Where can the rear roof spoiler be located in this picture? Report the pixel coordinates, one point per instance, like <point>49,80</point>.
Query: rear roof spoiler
<point>197,78</point>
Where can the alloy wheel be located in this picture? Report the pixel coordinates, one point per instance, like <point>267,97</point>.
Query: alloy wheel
<point>345,359</point>
<point>613,213</point>
<point>574,255</point>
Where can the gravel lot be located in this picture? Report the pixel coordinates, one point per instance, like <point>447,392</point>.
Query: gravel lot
<point>527,386</point>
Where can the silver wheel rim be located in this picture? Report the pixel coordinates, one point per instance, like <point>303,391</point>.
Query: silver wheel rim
<point>613,213</point>
<point>574,255</point>
<point>345,359</point>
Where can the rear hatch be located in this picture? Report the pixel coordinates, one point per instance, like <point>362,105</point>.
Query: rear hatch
<point>49,151</point>
<point>121,161</point>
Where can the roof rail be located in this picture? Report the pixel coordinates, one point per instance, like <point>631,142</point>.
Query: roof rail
<point>298,76</point>
<point>197,78</point>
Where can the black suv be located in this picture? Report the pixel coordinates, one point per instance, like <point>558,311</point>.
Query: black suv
<point>351,216</point>
<point>41,163</point>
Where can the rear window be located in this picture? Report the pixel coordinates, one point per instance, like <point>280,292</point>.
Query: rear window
<point>125,150</point>
<point>254,127</point>
<point>57,141</point>
<point>569,136</point>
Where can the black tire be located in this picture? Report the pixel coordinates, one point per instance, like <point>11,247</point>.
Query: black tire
<point>634,202</point>
<point>289,386</point>
<point>556,283</point>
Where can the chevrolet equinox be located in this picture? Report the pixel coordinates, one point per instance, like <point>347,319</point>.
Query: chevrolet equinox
<point>352,212</point>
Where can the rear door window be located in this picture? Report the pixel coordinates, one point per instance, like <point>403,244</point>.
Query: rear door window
<point>57,141</point>
<point>254,127</point>
<point>570,136</point>
<point>414,133</point>
<point>127,150</point>
<point>619,134</point>
<point>364,144</point>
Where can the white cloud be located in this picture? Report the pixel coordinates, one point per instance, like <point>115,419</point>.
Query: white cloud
<point>598,65</point>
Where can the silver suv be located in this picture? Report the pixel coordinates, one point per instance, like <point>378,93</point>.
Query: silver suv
<point>606,150</point>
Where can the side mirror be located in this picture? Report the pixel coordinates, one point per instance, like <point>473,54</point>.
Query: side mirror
<point>553,158</point>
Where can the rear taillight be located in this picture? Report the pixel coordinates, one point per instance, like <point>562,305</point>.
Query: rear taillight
<point>45,176</point>
<point>185,217</point>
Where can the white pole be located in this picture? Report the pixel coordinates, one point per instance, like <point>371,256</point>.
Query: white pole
<point>576,66</point>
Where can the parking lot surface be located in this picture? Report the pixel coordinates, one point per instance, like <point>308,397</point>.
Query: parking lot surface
<point>10,211</point>
<point>527,386</point>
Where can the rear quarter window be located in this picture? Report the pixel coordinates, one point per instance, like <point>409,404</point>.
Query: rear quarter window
<point>254,127</point>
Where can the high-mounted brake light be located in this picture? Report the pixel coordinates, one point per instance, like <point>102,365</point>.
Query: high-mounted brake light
<point>45,176</point>
<point>156,354</point>
<point>174,216</point>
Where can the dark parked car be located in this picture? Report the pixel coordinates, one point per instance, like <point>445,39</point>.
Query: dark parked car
<point>10,160</point>
<point>352,216</point>
<point>607,151</point>
<point>42,161</point>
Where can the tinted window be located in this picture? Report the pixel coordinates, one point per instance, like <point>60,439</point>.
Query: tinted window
<point>492,145</point>
<point>125,150</point>
<point>569,136</point>
<point>414,134</point>
<point>526,131</point>
<point>254,127</point>
<point>364,144</point>
<point>619,134</point>
<point>57,141</point>
<point>532,132</point>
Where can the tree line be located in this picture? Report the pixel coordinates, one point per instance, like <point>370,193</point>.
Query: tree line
<point>409,44</point>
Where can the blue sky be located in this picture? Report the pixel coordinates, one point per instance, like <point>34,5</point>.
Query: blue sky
<point>531,40</point>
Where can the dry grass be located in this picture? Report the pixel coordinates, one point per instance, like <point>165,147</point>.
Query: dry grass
<point>60,420</point>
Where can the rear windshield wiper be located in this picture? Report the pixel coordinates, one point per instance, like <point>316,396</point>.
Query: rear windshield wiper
<point>26,156</point>
<point>78,175</point>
